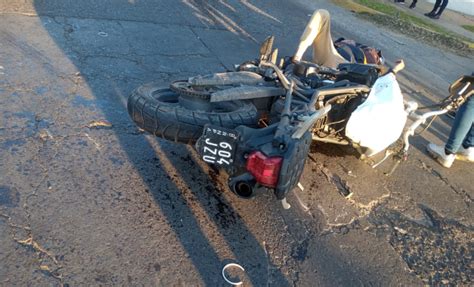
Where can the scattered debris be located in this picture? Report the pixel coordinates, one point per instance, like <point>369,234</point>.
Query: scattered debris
<point>285,204</point>
<point>304,206</point>
<point>99,124</point>
<point>11,224</point>
<point>348,171</point>
<point>460,191</point>
<point>300,186</point>
<point>227,280</point>
<point>340,228</point>
<point>49,272</point>
<point>30,242</point>
<point>400,230</point>
<point>35,246</point>
<point>366,209</point>
<point>45,135</point>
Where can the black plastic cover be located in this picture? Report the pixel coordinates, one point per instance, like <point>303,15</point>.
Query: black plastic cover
<point>293,164</point>
<point>358,73</point>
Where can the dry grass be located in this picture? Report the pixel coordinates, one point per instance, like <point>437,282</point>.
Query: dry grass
<point>469,27</point>
<point>355,7</point>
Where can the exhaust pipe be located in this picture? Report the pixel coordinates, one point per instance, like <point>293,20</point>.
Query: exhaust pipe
<point>243,185</point>
<point>244,189</point>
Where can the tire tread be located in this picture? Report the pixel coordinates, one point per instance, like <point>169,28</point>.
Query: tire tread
<point>178,124</point>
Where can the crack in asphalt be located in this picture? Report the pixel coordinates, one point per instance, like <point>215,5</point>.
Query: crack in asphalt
<point>30,241</point>
<point>459,191</point>
<point>120,56</point>
<point>41,137</point>
<point>345,190</point>
<point>132,55</point>
<point>68,30</point>
<point>51,15</point>
<point>429,255</point>
<point>207,47</point>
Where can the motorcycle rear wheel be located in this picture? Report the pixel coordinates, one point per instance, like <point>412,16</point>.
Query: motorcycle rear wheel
<point>164,113</point>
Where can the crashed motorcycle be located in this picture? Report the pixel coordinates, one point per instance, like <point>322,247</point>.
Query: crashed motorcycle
<point>258,122</point>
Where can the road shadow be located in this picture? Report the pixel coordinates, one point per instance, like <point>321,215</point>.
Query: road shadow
<point>112,68</point>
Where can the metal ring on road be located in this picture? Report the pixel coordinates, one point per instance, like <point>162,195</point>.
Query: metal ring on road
<point>232,265</point>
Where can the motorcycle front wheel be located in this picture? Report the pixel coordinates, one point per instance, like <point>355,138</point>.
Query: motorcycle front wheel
<point>164,113</point>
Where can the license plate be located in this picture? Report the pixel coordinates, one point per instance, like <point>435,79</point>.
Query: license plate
<point>217,145</point>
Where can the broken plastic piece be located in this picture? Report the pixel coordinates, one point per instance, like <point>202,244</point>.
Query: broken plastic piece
<point>232,265</point>
<point>99,124</point>
<point>300,186</point>
<point>285,204</point>
<point>304,206</point>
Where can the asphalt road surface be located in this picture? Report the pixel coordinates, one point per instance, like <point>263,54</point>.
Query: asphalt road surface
<point>88,199</point>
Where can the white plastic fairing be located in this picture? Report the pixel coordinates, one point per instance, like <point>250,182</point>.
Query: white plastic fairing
<point>379,121</point>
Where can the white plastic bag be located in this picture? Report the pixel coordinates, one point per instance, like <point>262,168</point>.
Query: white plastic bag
<point>379,121</point>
